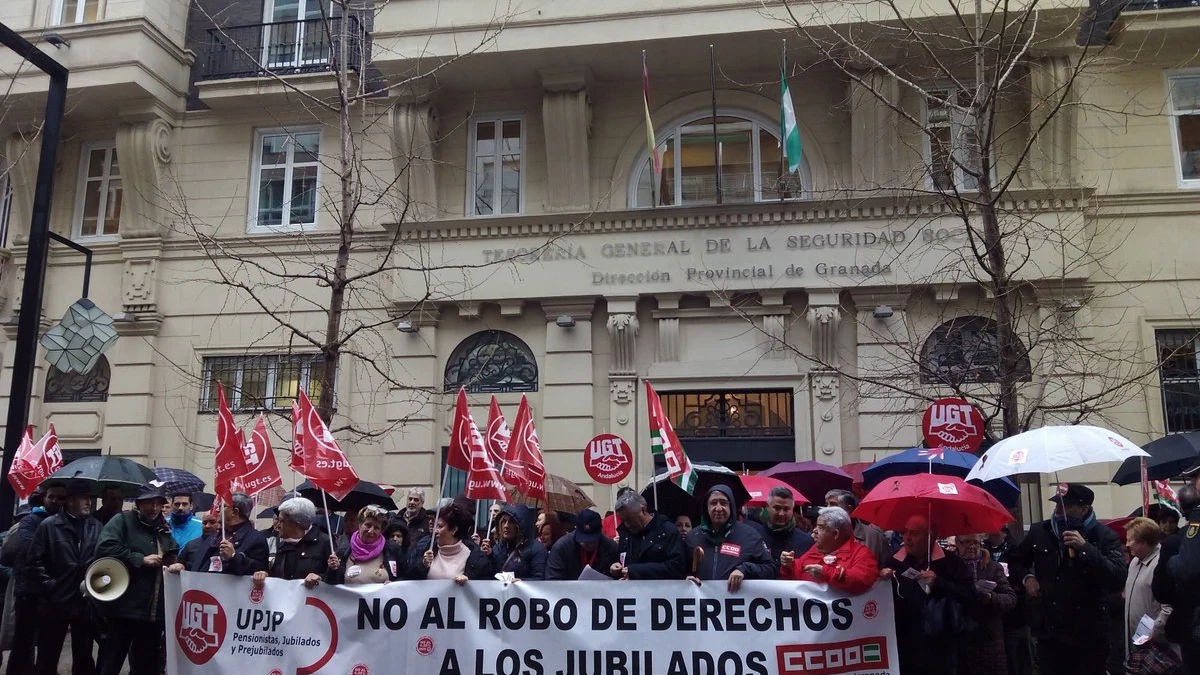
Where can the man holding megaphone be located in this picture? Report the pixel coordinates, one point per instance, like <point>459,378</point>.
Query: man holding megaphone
<point>126,584</point>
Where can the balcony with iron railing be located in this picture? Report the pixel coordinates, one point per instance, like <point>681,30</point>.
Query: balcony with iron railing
<point>281,48</point>
<point>1160,4</point>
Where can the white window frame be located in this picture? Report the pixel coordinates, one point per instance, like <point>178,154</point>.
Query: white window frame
<point>500,119</point>
<point>959,175</point>
<point>252,225</point>
<point>298,42</point>
<point>81,192</point>
<point>671,131</point>
<point>1190,183</point>
<point>6,199</point>
<point>233,390</point>
<point>80,10</point>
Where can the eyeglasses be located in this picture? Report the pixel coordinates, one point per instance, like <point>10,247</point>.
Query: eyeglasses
<point>374,510</point>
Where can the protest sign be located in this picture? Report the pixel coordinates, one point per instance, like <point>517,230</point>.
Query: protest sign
<point>216,624</point>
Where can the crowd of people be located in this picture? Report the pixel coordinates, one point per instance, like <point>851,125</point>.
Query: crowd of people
<point>1067,597</point>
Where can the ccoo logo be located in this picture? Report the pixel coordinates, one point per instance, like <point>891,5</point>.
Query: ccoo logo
<point>201,626</point>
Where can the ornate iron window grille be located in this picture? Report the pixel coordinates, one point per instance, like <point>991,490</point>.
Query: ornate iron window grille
<point>730,414</point>
<point>89,387</point>
<point>1179,374</point>
<point>265,382</point>
<point>966,350</point>
<point>492,362</point>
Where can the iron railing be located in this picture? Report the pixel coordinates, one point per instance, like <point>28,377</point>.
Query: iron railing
<point>1161,4</point>
<point>281,48</point>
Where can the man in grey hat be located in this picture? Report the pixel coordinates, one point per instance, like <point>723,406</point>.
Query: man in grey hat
<point>141,539</point>
<point>1069,565</point>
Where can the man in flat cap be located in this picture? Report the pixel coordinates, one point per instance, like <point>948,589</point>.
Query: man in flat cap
<point>1069,566</point>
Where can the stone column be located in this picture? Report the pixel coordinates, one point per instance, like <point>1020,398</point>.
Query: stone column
<point>774,326</point>
<point>874,130</point>
<point>824,315</point>
<point>568,387</point>
<point>668,345</point>
<point>567,123</point>
<point>413,451</point>
<point>414,140</point>
<point>1053,122</point>
<point>623,329</point>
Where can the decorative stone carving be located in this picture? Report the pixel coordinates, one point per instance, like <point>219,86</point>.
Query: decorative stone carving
<point>825,386</point>
<point>21,157</point>
<point>668,339</point>
<point>1053,118</point>
<point>414,139</point>
<point>138,285</point>
<point>824,320</point>
<point>874,129</point>
<point>567,124</point>
<point>144,154</point>
<point>623,330</point>
<point>775,329</point>
<point>623,390</point>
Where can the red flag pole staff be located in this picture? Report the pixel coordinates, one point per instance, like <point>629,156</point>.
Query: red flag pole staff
<point>324,463</point>
<point>328,523</point>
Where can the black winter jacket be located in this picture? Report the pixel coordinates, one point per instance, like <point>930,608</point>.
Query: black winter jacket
<point>737,547</point>
<point>919,651</point>
<point>1075,589</point>
<point>296,560</point>
<point>566,559</point>
<point>22,546</point>
<point>793,539</point>
<point>395,564</point>
<point>528,560</point>
<point>1171,588</point>
<point>63,547</point>
<point>249,546</point>
<point>478,567</point>
<point>129,540</point>
<point>657,552</point>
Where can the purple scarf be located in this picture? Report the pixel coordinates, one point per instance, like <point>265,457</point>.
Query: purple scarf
<point>361,552</point>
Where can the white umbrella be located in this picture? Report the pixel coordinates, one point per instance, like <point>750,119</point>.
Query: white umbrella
<point>1052,449</point>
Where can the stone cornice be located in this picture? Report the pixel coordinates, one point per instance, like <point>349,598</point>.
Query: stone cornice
<point>111,28</point>
<point>727,216</point>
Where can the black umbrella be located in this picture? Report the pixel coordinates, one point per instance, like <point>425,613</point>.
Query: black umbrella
<point>106,471</point>
<point>1169,457</point>
<point>364,493</point>
<point>674,501</point>
<point>203,501</point>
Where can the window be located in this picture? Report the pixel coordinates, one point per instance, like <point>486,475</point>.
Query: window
<point>1179,371</point>
<point>728,414</point>
<point>294,34</point>
<point>492,361</point>
<point>951,141</point>
<point>497,146</point>
<point>750,168</point>
<point>6,196</point>
<point>967,350</point>
<point>261,382</point>
<point>1185,128</point>
<point>99,201</point>
<point>76,11</point>
<point>287,165</point>
<point>89,387</point>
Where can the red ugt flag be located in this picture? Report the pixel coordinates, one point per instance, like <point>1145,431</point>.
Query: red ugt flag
<point>296,460</point>
<point>496,440</point>
<point>262,472</point>
<point>324,462</point>
<point>483,481</point>
<point>524,455</point>
<point>23,472</point>
<point>229,464</point>
<point>51,452</point>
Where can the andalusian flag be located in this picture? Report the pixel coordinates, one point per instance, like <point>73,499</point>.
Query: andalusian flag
<point>655,160</point>
<point>1165,494</point>
<point>788,131</point>
<point>663,441</point>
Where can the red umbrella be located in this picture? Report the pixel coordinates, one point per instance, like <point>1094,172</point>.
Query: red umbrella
<point>760,486</point>
<point>952,505</point>
<point>855,469</point>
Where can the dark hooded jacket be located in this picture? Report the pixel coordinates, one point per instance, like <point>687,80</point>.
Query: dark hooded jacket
<point>22,546</point>
<point>63,547</point>
<point>567,558</point>
<point>657,552</point>
<point>1075,589</point>
<point>528,559</point>
<point>789,538</point>
<point>130,539</point>
<point>735,546</point>
<point>250,548</point>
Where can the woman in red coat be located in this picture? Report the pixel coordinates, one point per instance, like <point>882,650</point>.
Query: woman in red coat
<point>836,558</point>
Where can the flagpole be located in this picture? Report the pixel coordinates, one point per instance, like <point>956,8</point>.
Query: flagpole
<point>222,518</point>
<point>654,176</point>
<point>712,64</point>
<point>783,126</point>
<point>328,523</point>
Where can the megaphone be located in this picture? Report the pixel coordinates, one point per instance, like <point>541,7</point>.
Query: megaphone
<point>106,580</point>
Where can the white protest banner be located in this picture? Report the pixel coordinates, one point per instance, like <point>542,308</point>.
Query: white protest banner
<point>217,624</point>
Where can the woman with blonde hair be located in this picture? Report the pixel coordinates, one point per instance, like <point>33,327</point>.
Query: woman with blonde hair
<point>1143,537</point>
<point>368,557</point>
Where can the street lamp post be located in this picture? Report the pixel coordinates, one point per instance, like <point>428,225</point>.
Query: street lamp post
<point>25,349</point>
